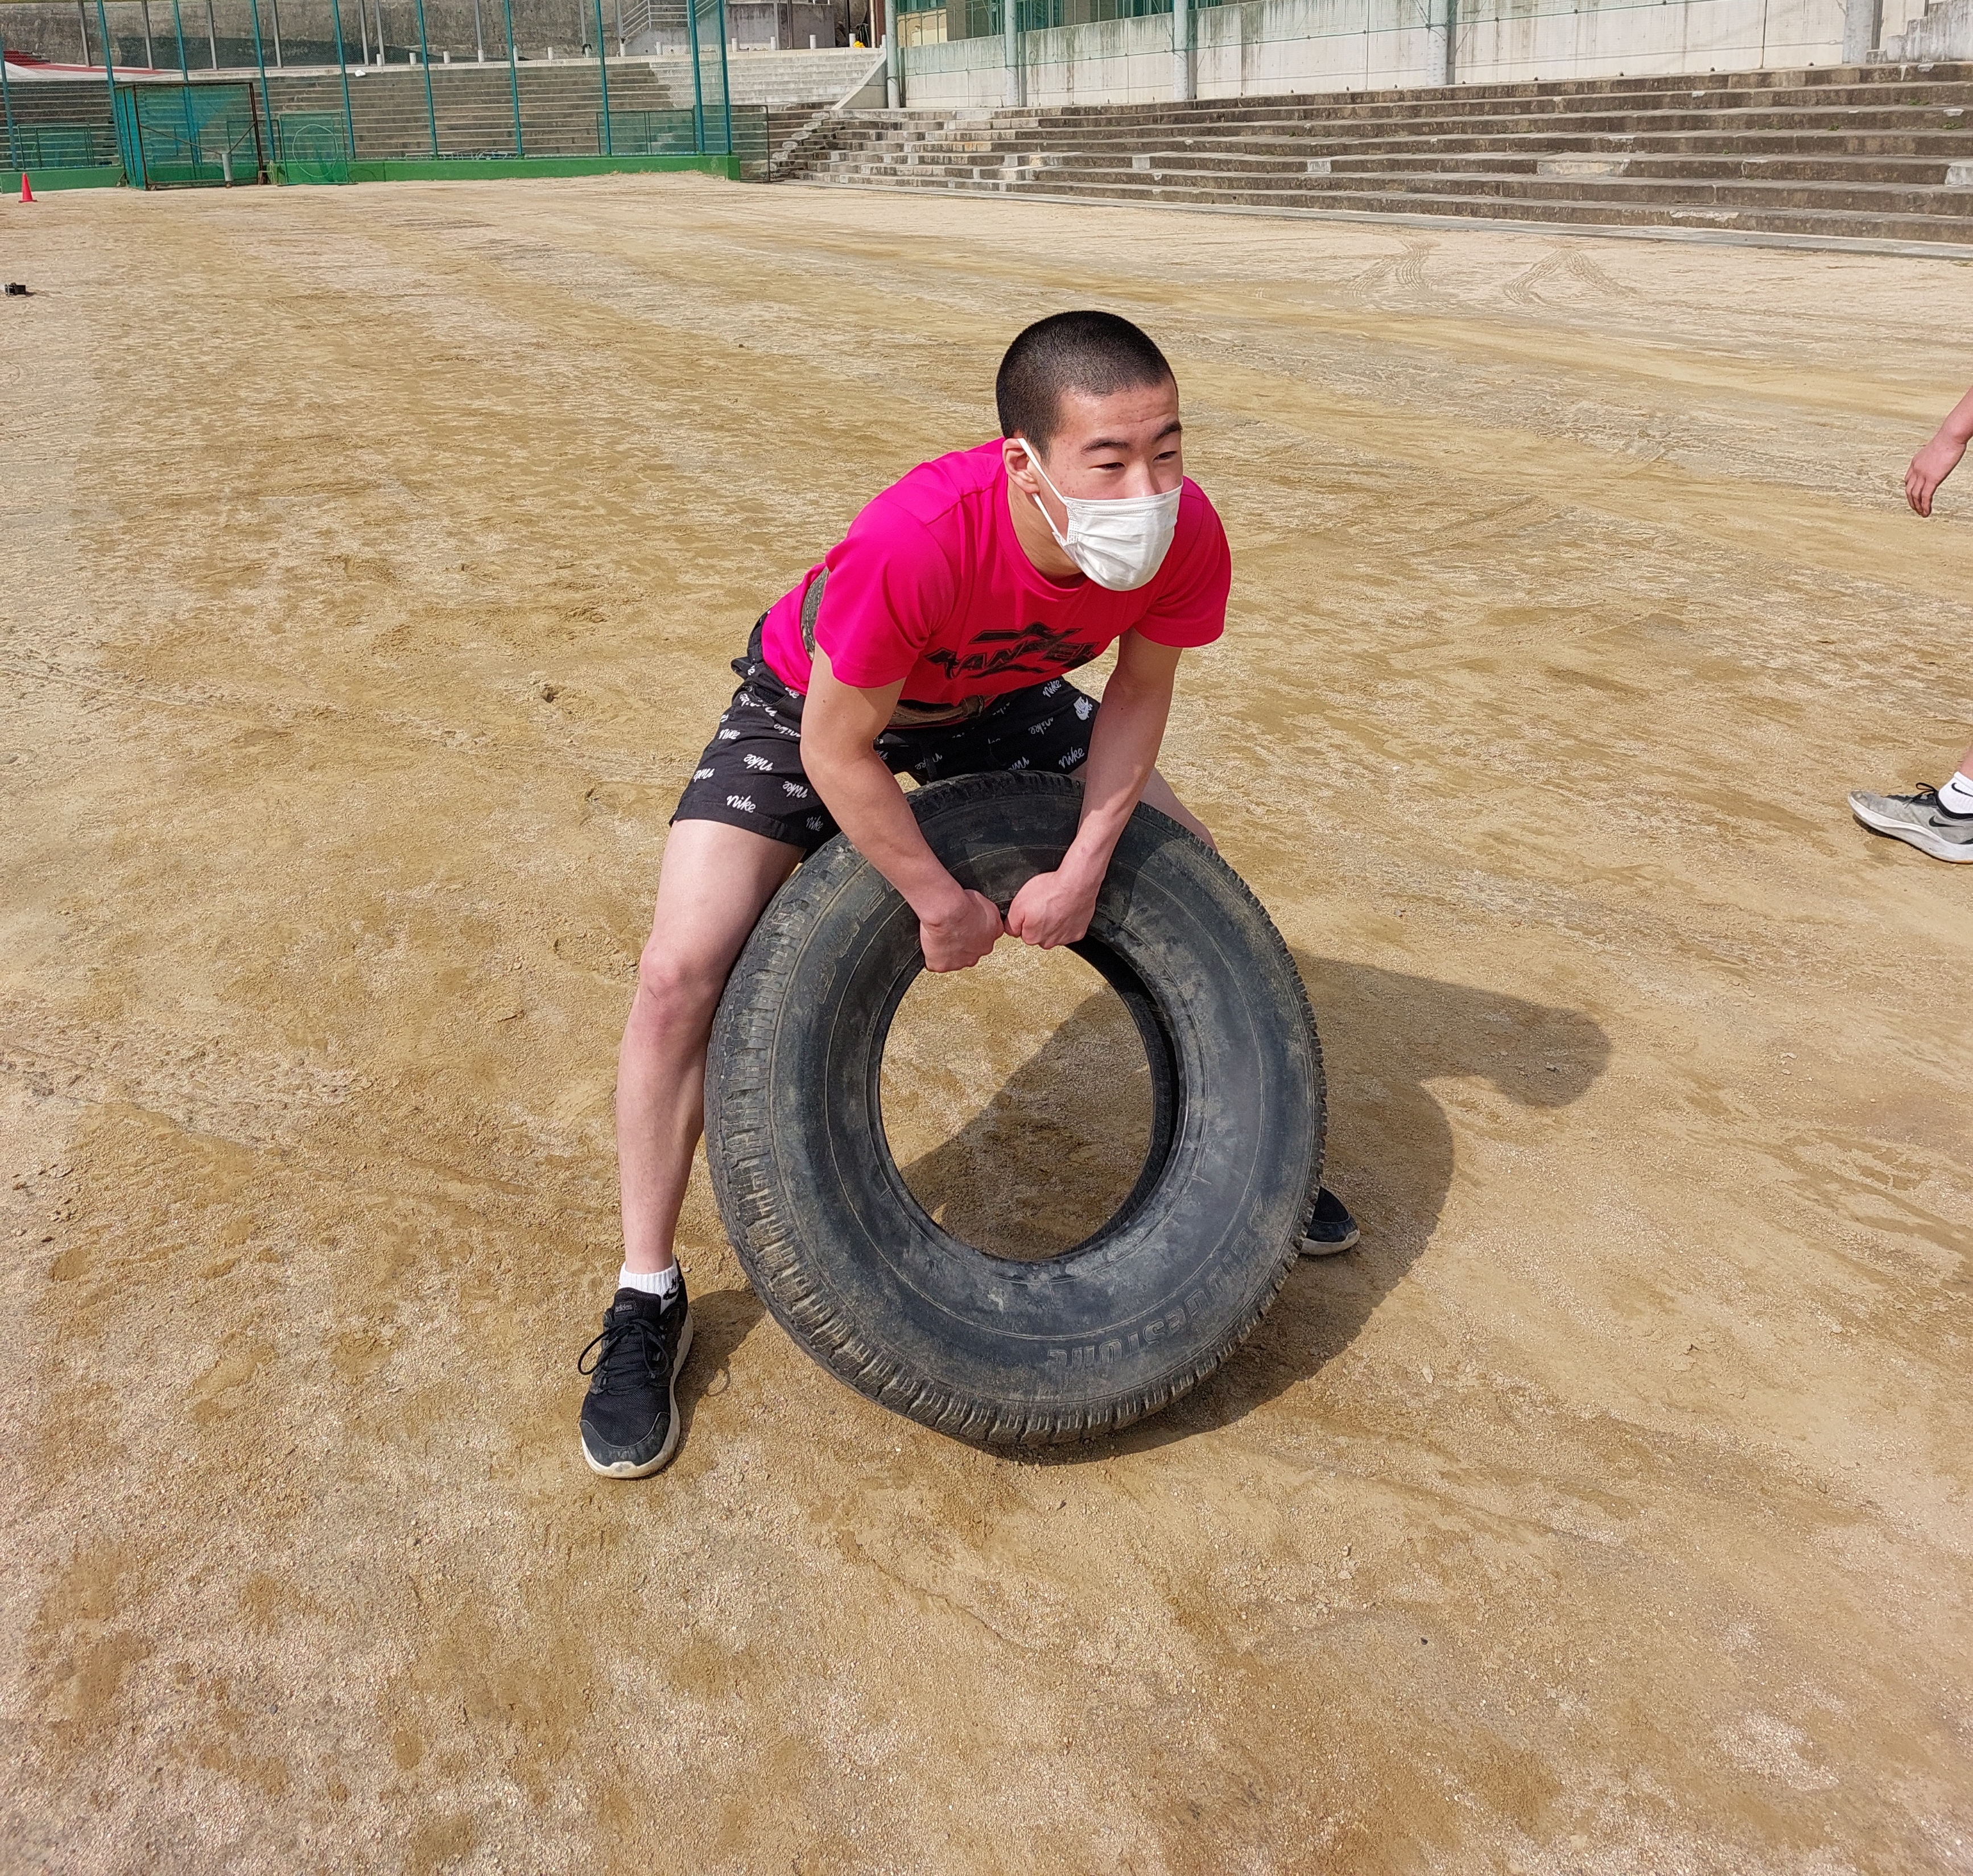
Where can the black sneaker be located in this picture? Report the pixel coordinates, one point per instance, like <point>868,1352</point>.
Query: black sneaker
<point>630,1416</point>
<point>1330,1229</point>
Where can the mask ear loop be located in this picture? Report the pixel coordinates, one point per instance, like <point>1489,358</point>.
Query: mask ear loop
<point>1035,464</point>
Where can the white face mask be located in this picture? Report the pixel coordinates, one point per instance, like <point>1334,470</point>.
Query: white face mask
<point>1120,543</point>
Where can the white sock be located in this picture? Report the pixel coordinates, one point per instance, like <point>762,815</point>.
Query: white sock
<point>663,1282</point>
<point>1956,798</point>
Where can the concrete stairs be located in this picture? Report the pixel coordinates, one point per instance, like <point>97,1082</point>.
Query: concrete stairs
<point>61,126</point>
<point>790,132</point>
<point>781,80</point>
<point>560,104</point>
<point>1876,152</point>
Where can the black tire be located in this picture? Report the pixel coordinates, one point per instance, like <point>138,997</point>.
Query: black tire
<point>851,1265</point>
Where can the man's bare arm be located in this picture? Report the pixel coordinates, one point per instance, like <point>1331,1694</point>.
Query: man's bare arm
<point>1054,908</point>
<point>840,723</point>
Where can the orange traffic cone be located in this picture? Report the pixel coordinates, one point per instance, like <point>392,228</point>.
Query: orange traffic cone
<point>27,188</point>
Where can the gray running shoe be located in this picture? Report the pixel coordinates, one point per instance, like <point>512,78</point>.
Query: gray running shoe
<point>1917,818</point>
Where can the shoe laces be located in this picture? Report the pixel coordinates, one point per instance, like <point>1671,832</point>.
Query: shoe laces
<point>629,1342</point>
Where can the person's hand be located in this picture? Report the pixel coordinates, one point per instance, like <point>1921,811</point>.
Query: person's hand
<point>1053,908</point>
<point>960,940</point>
<point>1930,467</point>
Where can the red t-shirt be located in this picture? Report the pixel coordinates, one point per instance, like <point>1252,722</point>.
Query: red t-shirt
<point>931,586</point>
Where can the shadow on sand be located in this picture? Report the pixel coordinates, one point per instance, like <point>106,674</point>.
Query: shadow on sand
<point>721,1321</point>
<point>1386,1036</point>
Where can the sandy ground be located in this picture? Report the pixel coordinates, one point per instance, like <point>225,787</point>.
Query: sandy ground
<point>371,560</point>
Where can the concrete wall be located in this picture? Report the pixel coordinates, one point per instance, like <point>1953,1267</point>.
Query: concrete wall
<point>1264,46</point>
<point>1255,47</point>
<point>1943,30</point>
<point>769,24</point>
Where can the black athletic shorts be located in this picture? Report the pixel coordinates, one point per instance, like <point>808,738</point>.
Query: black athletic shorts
<point>750,774</point>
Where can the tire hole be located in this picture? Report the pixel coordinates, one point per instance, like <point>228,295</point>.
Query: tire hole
<point>1017,1101</point>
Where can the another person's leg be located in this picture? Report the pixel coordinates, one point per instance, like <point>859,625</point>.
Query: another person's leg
<point>1937,821</point>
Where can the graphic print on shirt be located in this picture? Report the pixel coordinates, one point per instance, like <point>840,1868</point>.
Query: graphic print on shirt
<point>1036,650</point>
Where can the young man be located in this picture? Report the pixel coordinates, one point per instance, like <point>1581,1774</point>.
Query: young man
<point>1937,821</point>
<point>935,640</point>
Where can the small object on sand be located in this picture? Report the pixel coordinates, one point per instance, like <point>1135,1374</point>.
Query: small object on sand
<point>17,286</point>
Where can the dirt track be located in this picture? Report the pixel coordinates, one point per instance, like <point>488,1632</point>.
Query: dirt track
<point>369,562</point>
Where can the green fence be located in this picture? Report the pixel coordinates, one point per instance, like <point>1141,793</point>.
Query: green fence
<point>512,112</point>
<point>311,146</point>
<point>189,136</point>
<point>713,104</point>
<point>59,146</point>
<point>651,133</point>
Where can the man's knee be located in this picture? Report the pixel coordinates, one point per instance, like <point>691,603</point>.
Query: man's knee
<point>675,990</point>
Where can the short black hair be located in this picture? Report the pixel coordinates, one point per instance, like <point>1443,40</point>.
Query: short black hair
<point>1096,353</point>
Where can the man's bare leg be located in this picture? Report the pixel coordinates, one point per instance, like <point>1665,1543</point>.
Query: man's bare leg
<point>714,883</point>
<point>1158,794</point>
<point>1331,1228</point>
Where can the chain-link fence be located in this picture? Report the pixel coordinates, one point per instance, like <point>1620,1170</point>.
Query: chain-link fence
<point>373,101</point>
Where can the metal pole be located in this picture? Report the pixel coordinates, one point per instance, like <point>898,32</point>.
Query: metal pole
<point>260,59</point>
<point>1010,51</point>
<point>424,59</point>
<point>278,61</point>
<point>513,77</point>
<point>184,80</point>
<point>619,28</point>
<point>602,74</point>
<point>725,80</point>
<point>342,67</point>
<point>382,57</point>
<point>212,34</point>
<point>108,65</point>
<point>363,32</point>
<point>697,87</point>
<point>82,20</point>
<point>1181,49</point>
<point>150,58</point>
<point>479,44</point>
<point>7,108</point>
